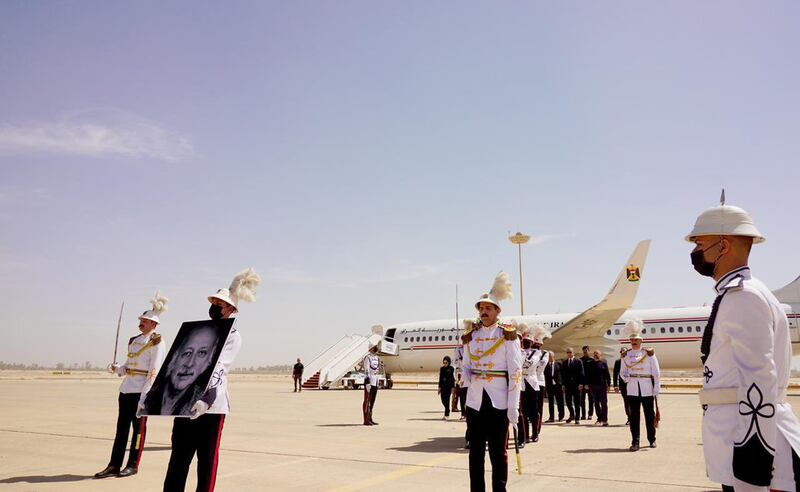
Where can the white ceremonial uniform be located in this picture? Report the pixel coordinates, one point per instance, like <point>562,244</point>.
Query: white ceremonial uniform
<point>641,373</point>
<point>751,428</point>
<point>530,366</point>
<point>217,394</point>
<point>372,365</point>
<point>543,360</point>
<point>458,362</point>
<point>145,355</point>
<point>494,365</point>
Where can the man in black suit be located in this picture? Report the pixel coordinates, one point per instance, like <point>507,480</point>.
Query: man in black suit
<point>619,384</point>
<point>572,377</point>
<point>555,393</point>
<point>587,361</point>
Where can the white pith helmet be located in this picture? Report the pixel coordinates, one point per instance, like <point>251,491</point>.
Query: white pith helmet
<point>501,290</point>
<point>243,287</point>
<point>158,306</point>
<point>725,220</point>
<point>540,333</point>
<point>633,329</point>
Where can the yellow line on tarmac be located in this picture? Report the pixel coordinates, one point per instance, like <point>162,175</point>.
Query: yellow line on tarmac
<point>402,472</point>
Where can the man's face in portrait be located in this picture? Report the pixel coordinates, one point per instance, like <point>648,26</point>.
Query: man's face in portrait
<point>193,358</point>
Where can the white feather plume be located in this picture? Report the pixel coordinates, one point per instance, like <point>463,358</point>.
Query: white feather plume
<point>523,329</point>
<point>243,286</point>
<point>501,290</point>
<point>540,332</point>
<point>633,327</point>
<point>159,303</point>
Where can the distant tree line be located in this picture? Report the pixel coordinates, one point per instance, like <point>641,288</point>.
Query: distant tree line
<point>88,366</point>
<point>61,366</point>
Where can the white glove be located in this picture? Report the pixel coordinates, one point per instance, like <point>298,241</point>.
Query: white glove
<point>113,368</point>
<point>513,416</point>
<point>199,408</point>
<point>140,410</point>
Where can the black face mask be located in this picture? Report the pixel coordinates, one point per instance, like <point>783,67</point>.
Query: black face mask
<point>215,312</point>
<point>701,265</point>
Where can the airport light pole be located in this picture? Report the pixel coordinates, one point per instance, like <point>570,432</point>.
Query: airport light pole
<point>519,239</point>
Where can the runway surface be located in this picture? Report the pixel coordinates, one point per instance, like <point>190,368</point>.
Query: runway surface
<point>56,432</point>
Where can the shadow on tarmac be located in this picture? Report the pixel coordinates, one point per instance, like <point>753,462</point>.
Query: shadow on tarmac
<point>47,479</point>
<point>340,425</point>
<point>435,445</point>
<point>598,450</point>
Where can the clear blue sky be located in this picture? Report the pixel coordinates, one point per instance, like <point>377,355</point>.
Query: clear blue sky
<point>365,157</point>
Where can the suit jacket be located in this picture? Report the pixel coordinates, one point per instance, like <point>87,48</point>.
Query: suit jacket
<point>618,381</point>
<point>552,374</point>
<point>572,372</point>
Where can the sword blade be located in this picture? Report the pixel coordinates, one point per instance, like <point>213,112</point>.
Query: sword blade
<point>516,450</point>
<point>116,340</point>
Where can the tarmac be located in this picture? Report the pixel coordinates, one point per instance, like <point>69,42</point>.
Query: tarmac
<point>56,432</point>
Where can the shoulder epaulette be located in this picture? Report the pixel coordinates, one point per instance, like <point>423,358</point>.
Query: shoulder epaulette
<point>734,284</point>
<point>155,338</point>
<point>509,332</point>
<point>130,341</point>
<point>650,351</point>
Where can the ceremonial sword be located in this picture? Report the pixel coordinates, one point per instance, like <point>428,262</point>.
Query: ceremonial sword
<point>116,340</point>
<point>516,450</point>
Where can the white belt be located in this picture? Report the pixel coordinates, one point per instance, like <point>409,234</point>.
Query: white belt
<point>729,396</point>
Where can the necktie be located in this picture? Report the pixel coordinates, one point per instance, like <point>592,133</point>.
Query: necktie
<point>708,333</point>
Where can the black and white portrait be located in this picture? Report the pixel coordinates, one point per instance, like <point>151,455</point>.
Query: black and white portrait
<point>187,370</point>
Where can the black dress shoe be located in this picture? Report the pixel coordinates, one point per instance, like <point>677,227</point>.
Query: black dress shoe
<point>521,445</point>
<point>128,471</point>
<point>535,439</point>
<point>653,444</point>
<point>568,420</point>
<point>110,471</point>
<point>550,420</point>
<point>372,422</point>
<point>634,446</point>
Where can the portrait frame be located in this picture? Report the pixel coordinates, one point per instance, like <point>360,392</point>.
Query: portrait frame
<point>188,368</point>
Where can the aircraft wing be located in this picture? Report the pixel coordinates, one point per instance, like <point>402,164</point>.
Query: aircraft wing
<point>591,325</point>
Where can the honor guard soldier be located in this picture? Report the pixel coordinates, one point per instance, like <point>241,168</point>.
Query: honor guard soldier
<point>751,437</point>
<point>492,373</point>
<point>534,359</point>
<point>372,370</point>
<point>145,355</point>
<point>201,433</point>
<point>642,376</point>
<point>539,335</point>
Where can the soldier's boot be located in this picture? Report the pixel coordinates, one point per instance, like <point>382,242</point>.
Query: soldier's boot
<point>109,471</point>
<point>634,446</point>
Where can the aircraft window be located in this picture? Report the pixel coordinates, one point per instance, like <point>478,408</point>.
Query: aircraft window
<point>424,338</point>
<point>672,329</point>
<point>437,338</point>
<point>418,339</point>
<point>608,332</point>
<point>680,329</point>
<point>697,329</point>
<point>405,339</point>
<point>451,337</point>
<point>616,332</point>
<point>663,330</point>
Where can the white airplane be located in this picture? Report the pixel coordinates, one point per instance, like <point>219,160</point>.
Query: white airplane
<point>675,333</point>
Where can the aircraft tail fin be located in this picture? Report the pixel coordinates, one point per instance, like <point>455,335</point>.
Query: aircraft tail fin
<point>790,293</point>
<point>623,292</point>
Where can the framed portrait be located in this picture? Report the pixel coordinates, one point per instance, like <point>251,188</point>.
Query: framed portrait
<point>188,368</point>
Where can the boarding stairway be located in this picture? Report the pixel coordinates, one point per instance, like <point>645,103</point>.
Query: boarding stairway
<point>328,368</point>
